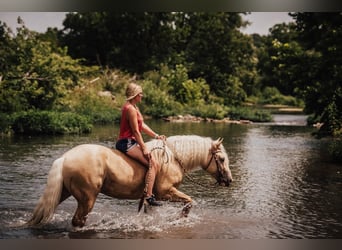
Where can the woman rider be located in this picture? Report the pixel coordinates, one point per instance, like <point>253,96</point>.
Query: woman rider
<point>131,141</point>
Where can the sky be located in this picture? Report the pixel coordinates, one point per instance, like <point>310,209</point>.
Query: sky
<point>40,21</point>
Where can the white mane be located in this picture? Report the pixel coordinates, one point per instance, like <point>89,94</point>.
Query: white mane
<point>191,150</point>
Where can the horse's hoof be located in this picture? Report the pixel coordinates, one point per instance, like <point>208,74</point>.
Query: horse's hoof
<point>78,223</point>
<point>186,210</point>
<point>184,215</point>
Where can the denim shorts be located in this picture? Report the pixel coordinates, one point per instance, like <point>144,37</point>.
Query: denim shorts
<point>126,144</point>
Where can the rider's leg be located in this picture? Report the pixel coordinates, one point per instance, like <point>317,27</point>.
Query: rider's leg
<point>136,153</point>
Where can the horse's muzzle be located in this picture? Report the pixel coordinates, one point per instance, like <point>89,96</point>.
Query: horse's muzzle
<point>225,182</point>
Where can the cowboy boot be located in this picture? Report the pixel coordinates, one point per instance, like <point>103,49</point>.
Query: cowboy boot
<point>152,201</point>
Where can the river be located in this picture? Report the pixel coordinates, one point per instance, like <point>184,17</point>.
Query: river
<point>283,188</point>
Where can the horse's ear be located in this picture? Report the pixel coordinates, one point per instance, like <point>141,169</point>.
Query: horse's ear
<point>217,143</point>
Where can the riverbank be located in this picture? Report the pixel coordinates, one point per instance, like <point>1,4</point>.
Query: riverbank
<point>196,119</point>
<point>282,109</point>
<point>242,115</point>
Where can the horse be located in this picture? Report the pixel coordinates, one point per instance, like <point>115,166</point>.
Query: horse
<point>89,169</point>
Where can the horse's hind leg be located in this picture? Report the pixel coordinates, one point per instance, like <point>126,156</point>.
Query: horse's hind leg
<point>65,195</point>
<point>83,209</point>
<point>84,205</point>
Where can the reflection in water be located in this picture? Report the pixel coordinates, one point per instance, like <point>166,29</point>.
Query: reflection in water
<point>282,188</point>
<point>279,182</point>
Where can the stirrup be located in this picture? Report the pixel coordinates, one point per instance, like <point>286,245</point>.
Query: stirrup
<point>152,201</point>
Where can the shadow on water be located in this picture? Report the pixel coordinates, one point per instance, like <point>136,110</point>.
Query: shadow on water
<point>283,188</point>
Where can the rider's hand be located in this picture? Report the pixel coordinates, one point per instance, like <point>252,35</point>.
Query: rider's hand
<point>146,153</point>
<point>161,137</point>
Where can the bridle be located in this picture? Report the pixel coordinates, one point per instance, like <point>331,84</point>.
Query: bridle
<point>218,164</point>
<point>213,156</point>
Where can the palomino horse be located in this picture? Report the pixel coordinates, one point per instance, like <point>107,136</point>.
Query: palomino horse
<point>87,170</point>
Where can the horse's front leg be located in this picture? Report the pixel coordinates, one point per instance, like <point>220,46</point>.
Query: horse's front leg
<point>175,195</point>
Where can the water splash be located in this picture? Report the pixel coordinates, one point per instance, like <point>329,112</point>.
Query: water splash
<point>127,219</point>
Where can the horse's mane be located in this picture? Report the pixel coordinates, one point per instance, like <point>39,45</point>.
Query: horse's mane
<point>192,150</point>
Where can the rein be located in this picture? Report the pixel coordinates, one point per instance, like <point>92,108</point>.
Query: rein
<point>186,174</point>
<point>190,178</point>
<point>164,151</point>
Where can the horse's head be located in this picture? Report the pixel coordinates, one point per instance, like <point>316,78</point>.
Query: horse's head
<point>218,164</point>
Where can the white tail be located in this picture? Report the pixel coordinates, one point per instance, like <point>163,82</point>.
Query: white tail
<point>50,199</point>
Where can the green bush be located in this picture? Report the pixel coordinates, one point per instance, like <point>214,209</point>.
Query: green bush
<point>50,122</point>
<point>335,150</point>
<point>99,110</point>
<point>214,111</point>
<point>271,95</point>
<point>34,74</point>
<point>157,103</point>
<point>255,115</point>
<point>5,123</point>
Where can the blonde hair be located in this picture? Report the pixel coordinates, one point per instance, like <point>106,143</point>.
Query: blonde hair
<point>132,91</point>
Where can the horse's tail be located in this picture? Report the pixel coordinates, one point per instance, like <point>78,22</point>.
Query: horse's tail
<point>51,197</point>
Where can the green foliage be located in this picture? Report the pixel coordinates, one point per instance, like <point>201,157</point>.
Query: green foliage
<point>176,79</point>
<point>185,90</point>
<point>321,73</point>
<point>195,91</point>
<point>223,58</point>
<point>100,98</point>
<point>184,69</point>
<point>170,92</point>
<point>271,95</point>
<point>129,41</point>
<point>33,75</point>
<point>281,59</point>
<point>335,150</point>
<point>213,110</point>
<point>5,123</point>
<point>244,113</point>
<point>140,42</point>
<point>50,122</point>
<point>100,110</point>
<point>158,103</point>
<point>235,94</point>
<point>332,115</point>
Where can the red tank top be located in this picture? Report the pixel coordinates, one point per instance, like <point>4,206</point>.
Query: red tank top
<point>125,128</point>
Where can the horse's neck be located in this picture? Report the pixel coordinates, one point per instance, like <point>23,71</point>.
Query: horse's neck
<point>189,160</point>
<point>188,167</point>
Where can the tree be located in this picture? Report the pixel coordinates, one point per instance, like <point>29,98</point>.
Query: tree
<point>209,45</point>
<point>34,74</point>
<point>215,50</point>
<point>281,59</point>
<point>135,42</point>
<point>185,90</point>
<point>87,36</point>
<point>320,34</point>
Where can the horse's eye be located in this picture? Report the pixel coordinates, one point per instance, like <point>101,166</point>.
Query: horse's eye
<point>221,159</point>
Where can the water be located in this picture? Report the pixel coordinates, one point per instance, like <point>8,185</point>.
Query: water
<point>283,188</point>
